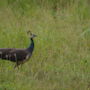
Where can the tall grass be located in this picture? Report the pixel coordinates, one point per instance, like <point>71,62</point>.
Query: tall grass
<point>61,57</point>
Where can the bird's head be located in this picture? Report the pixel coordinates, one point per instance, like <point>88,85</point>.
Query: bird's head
<point>31,35</point>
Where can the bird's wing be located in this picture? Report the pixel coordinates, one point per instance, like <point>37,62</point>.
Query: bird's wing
<point>18,54</point>
<point>4,52</point>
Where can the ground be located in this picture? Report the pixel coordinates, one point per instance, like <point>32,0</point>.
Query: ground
<point>61,58</point>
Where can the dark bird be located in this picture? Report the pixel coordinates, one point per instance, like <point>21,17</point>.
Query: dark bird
<point>19,56</point>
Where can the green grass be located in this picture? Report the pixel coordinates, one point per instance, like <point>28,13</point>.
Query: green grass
<point>61,59</point>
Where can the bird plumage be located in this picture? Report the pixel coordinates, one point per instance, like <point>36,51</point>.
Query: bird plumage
<point>17,55</point>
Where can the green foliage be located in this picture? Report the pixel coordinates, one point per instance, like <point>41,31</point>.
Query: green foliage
<point>61,59</point>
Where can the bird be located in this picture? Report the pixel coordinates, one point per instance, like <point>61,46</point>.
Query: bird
<point>17,55</point>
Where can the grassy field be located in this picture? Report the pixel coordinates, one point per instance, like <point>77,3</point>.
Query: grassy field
<point>61,59</point>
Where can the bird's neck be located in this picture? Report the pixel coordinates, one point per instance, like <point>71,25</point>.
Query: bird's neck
<point>31,47</point>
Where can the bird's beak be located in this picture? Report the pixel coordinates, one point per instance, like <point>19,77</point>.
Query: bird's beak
<point>35,35</point>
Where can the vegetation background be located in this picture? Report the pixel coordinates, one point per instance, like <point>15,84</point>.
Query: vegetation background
<point>61,59</point>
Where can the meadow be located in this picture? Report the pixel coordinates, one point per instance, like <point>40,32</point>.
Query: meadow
<point>61,59</point>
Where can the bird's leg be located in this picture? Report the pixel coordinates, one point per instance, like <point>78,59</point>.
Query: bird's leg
<point>17,63</point>
<point>0,55</point>
<point>16,66</point>
<point>21,64</point>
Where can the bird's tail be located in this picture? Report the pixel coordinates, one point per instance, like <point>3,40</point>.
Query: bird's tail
<point>4,54</point>
<point>4,57</point>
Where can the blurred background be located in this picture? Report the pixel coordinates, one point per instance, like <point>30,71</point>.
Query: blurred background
<point>61,59</point>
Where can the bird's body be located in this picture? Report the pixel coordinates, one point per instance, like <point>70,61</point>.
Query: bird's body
<point>13,54</point>
<point>17,55</point>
